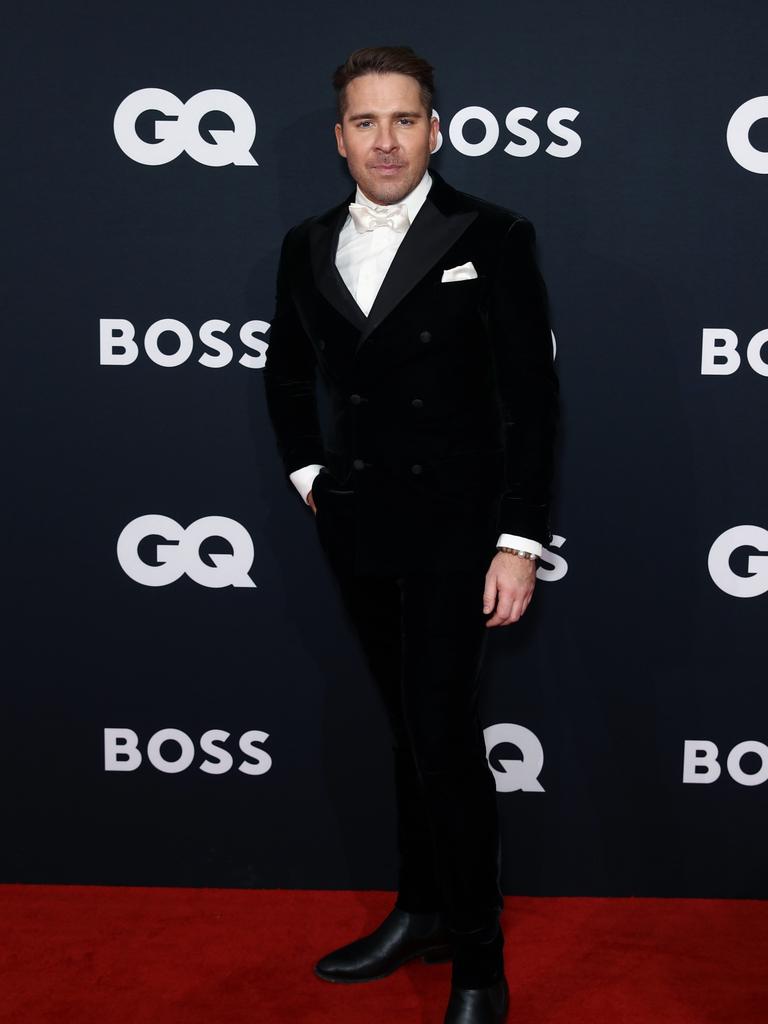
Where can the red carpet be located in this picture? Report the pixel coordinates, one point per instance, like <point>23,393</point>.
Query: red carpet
<point>116,955</point>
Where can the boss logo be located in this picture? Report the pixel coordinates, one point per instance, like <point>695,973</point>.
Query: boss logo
<point>737,135</point>
<point>701,765</point>
<point>720,354</point>
<point>514,774</point>
<point>751,544</point>
<point>525,138</point>
<point>178,130</point>
<point>176,552</point>
<point>172,751</point>
<point>169,342</point>
<point>552,567</point>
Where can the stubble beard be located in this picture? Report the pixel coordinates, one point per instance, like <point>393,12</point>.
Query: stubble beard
<point>388,196</point>
<point>386,193</point>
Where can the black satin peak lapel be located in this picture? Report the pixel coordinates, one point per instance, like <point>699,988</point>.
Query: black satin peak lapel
<point>323,241</point>
<point>442,219</point>
<point>430,235</point>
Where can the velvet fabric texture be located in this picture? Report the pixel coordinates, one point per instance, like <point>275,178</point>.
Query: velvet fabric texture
<point>443,412</point>
<point>443,400</point>
<point>423,637</point>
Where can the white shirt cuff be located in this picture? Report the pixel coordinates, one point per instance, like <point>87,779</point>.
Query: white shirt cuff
<point>511,540</point>
<point>302,479</point>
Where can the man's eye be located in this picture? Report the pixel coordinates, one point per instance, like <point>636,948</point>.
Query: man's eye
<point>406,120</point>
<point>362,124</point>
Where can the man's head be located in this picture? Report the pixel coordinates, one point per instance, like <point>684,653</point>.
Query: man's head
<point>386,130</point>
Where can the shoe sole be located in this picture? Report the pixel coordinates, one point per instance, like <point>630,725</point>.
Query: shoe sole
<point>438,955</point>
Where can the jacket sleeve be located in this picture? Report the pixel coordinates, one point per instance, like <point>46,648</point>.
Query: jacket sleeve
<point>528,389</point>
<point>289,376</point>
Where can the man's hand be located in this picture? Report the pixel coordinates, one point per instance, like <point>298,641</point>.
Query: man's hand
<point>511,579</point>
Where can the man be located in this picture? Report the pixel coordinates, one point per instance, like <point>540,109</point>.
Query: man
<point>426,315</point>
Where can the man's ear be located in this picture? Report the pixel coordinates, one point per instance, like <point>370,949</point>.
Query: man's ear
<point>434,131</point>
<point>340,140</point>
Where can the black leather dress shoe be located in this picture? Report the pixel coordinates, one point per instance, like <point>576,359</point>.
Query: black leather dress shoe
<point>399,938</point>
<point>479,1005</point>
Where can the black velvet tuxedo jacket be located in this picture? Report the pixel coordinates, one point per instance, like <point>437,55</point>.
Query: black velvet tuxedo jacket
<point>444,399</point>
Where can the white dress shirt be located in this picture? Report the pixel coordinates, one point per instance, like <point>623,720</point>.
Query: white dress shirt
<point>363,259</point>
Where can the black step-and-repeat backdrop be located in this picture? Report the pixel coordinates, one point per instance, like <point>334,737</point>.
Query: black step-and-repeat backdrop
<point>184,702</point>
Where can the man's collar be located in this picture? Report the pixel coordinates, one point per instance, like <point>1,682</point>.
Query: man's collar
<point>413,201</point>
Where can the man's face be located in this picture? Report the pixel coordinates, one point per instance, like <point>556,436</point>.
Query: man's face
<point>386,135</point>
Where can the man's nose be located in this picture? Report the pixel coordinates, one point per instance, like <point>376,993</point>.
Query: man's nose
<point>386,139</point>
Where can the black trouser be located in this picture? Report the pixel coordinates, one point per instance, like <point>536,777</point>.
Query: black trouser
<point>423,636</point>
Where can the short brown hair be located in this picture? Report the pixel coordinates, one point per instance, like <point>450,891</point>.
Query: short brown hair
<point>380,60</point>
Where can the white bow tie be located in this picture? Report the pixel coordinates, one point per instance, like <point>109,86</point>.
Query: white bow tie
<point>367,218</point>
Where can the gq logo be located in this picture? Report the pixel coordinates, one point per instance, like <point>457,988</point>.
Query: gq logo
<point>737,135</point>
<point>518,773</point>
<point>719,561</point>
<point>181,554</point>
<point>179,129</point>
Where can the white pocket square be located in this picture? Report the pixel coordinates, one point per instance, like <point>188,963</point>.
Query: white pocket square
<point>463,273</point>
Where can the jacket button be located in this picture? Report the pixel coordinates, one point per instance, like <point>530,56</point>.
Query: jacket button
<point>355,399</point>
<point>415,468</point>
<point>417,403</point>
<point>320,344</point>
<point>359,464</point>
<point>425,336</point>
